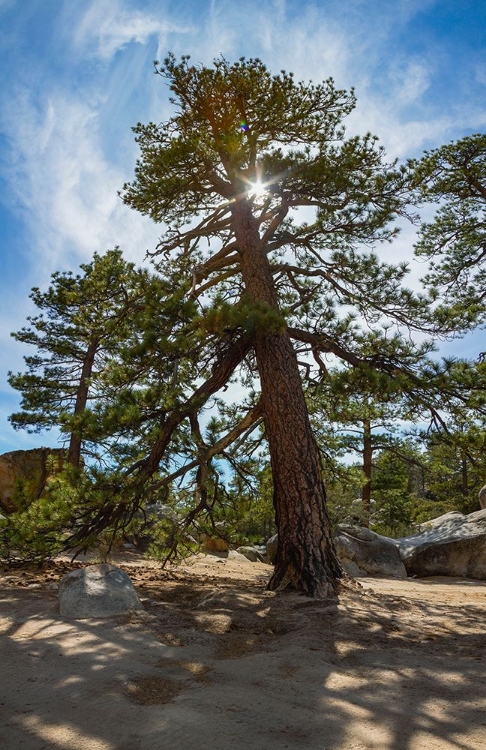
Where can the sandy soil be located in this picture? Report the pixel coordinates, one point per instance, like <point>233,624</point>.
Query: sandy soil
<point>215,661</point>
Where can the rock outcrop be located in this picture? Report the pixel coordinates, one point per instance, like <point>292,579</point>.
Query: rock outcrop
<point>26,473</point>
<point>361,552</point>
<point>451,545</point>
<point>97,591</point>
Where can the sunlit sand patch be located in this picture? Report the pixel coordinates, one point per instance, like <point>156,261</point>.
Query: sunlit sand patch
<point>61,735</point>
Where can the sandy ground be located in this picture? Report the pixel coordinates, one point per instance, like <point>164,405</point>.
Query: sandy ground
<point>215,661</point>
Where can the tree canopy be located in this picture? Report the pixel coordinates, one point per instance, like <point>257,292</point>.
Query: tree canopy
<point>82,321</point>
<point>277,211</point>
<point>454,176</point>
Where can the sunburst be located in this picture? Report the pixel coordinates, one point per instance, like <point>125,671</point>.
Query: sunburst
<point>258,189</point>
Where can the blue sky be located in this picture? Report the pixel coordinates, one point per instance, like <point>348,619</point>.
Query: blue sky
<point>76,76</point>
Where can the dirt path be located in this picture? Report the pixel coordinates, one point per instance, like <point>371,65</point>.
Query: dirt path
<point>215,661</point>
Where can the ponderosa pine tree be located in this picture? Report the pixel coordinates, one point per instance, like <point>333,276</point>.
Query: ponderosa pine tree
<point>455,240</point>
<point>84,320</point>
<point>270,214</point>
<point>257,167</point>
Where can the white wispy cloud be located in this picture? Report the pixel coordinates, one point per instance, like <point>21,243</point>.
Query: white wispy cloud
<point>65,185</point>
<point>66,173</point>
<point>410,82</point>
<point>310,43</point>
<point>106,26</point>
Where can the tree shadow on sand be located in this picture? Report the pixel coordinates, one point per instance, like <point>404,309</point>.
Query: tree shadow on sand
<point>226,664</point>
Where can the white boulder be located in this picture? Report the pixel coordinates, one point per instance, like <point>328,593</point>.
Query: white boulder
<point>97,591</point>
<point>361,552</point>
<point>451,545</point>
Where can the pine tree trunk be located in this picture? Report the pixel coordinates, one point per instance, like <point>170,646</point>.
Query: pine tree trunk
<point>75,442</point>
<point>464,475</point>
<point>367,459</point>
<point>306,559</point>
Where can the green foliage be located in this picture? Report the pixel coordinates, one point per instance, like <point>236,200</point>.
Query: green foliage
<point>456,466</point>
<point>202,160</point>
<point>115,346</point>
<point>169,541</point>
<point>392,513</point>
<point>455,177</point>
<point>252,508</point>
<point>343,488</point>
<point>38,529</point>
<point>247,315</point>
<point>83,318</point>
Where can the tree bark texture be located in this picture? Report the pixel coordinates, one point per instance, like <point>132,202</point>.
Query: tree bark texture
<point>306,559</point>
<point>367,460</point>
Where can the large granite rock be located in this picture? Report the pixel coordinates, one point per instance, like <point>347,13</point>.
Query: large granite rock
<point>361,552</point>
<point>26,472</point>
<point>97,591</point>
<point>451,545</point>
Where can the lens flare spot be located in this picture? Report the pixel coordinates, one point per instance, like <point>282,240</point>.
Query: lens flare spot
<point>258,189</point>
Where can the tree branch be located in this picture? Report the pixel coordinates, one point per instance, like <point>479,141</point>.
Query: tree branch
<point>222,371</point>
<point>245,425</point>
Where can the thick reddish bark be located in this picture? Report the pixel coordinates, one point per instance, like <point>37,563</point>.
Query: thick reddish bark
<point>306,558</point>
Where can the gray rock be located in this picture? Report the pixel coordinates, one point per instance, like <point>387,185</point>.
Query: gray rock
<point>482,497</point>
<point>272,545</point>
<point>234,555</point>
<point>97,591</point>
<point>161,512</point>
<point>251,554</point>
<point>451,545</point>
<point>361,552</point>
